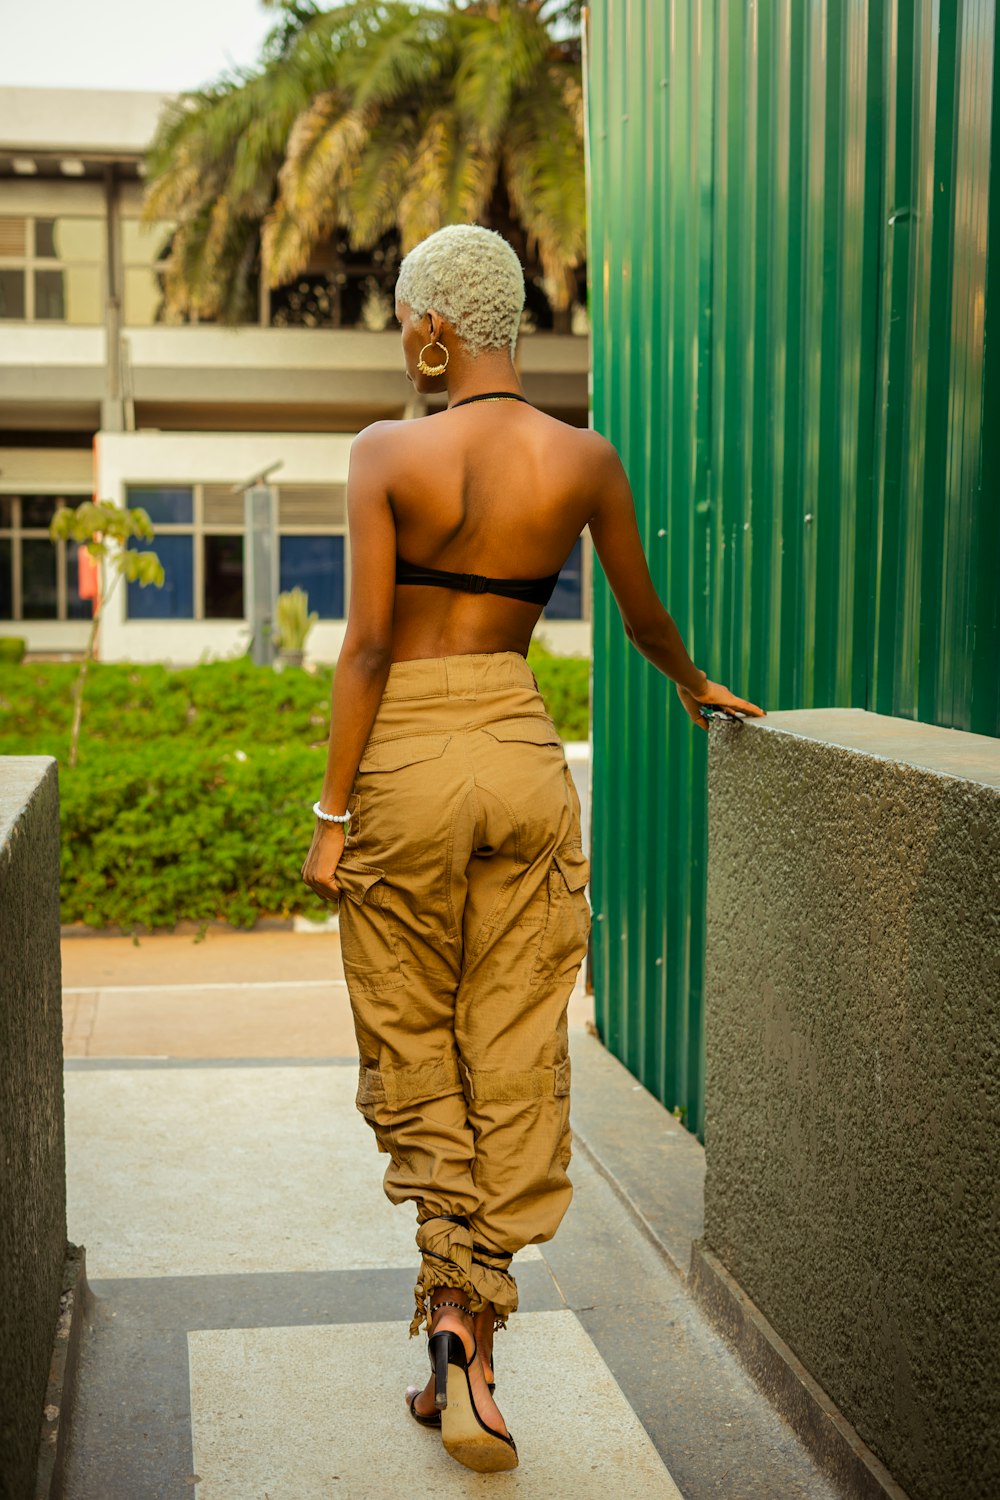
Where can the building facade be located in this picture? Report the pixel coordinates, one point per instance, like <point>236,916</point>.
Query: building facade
<point>101,396</point>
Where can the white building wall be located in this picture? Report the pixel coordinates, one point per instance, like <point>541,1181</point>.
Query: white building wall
<point>137,458</point>
<point>79,121</point>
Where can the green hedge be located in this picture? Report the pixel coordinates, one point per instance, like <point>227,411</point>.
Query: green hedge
<point>171,831</point>
<point>220,700</point>
<point>125,703</point>
<point>190,799</point>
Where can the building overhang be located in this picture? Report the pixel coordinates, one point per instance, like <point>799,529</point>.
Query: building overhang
<point>76,133</point>
<point>248,378</point>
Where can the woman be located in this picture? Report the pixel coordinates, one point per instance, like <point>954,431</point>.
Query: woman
<point>448,818</point>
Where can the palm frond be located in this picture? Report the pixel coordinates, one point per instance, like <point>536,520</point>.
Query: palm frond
<point>425,196</point>
<point>370,116</point>
<point>408,59</point>
<point>543,173</point>
<point>324,152</point>
<point>474,173</point>
<point>372,198</point>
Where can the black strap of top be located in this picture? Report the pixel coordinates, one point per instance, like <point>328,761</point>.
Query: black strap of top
<point>530,590</point>
<point>492,396</point>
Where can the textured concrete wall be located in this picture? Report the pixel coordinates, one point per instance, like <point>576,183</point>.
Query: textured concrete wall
<point>32,1156</point>
<point>853,1070</point>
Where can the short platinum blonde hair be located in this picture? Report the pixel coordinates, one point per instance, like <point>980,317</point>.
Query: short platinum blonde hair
<point>472,277</point>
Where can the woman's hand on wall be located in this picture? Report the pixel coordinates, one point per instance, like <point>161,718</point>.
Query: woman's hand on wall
<point>716,696</point>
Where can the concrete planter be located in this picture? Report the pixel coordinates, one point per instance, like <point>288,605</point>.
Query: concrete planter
<point>289,659</point>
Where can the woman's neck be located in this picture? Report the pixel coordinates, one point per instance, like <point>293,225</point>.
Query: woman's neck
<point>487,373</point>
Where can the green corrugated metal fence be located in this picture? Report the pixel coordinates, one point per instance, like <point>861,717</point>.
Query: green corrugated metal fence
<point>790,277</point>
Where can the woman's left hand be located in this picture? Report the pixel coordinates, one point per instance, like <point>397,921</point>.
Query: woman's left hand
<point>322,860</point>
<point>715,695</point>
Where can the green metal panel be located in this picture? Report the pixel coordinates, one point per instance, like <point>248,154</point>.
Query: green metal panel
<point>650,122</point>
<point>936,564</point>
<point>789,266</point>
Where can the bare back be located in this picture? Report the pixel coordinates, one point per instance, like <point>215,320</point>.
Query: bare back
<point>499,488</point>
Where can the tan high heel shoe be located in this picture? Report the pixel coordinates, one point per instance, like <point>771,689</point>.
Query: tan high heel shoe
<point>466,1437</point>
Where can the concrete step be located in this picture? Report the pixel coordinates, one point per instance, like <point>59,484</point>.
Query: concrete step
<point>253,1284</point>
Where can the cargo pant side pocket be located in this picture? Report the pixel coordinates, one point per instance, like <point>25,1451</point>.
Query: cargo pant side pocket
<point>371,962</point>
<point>568,918</point>
<point>370,1094</point>
<point>561,1090</point>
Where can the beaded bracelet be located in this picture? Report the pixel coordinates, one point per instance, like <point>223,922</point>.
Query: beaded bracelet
<point>344,818</point>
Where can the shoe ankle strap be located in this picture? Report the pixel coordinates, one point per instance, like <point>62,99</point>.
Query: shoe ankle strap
<point>460,1305</point>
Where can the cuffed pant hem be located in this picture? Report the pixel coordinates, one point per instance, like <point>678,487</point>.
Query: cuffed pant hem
<point>447,1261</point>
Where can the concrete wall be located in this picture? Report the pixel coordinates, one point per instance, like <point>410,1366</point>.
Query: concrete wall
<point>32,1155</point>
<point>853,1070</point>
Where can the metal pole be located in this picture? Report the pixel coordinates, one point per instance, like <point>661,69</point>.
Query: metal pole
<point>112,409</point>
<point>261,572</point>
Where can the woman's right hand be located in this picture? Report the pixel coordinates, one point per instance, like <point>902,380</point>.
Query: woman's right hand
<point>320,868</point>
<point>715,696</point>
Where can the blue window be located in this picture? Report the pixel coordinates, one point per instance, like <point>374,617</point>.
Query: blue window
<point>567,599</point>
<point>315,564</point>
<point>165,504</point>
<point>175,600</point>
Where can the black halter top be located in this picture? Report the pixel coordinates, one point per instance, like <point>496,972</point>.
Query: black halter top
<point>530,590</point>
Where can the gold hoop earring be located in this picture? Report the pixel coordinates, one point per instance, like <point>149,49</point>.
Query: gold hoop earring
<point>432,369</point>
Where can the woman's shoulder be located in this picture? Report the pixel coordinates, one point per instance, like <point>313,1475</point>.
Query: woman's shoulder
<point>591,452</point>
<point>596,445</point>
<point>378,432</point>
<point>389,438</point>
<point>380,446</point>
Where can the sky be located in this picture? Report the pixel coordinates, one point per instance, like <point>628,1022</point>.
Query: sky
<point>165,45</point>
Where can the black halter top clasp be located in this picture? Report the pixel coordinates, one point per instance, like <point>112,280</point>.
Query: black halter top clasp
<point>528,590</point>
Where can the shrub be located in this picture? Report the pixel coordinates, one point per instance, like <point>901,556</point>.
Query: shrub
<point>129,703</point>
<point>191,799</point>
<point>294,620</point>
<point>216,701</point>
<point>153,835</point>
<point>564,683</point>
<point>12,648</point>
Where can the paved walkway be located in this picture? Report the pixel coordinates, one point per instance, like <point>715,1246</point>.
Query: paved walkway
<point>253,1284</point>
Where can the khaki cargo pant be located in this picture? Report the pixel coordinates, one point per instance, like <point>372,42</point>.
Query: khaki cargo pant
<point>463,923</point>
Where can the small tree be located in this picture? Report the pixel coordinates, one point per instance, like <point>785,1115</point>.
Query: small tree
<point>104,529</point>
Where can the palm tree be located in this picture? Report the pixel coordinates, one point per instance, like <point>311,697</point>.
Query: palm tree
<point>376,119</point>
